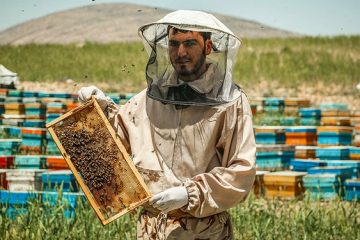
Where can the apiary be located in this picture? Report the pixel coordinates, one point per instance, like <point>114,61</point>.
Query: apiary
<point>24,179</point>
<point>6,161</point>
<point>33,140</point>
<point>352,189</point>
<point>303,165</point>
<point>59,180</point>
<point>305,152</point>
<point>99,161</point>
<point>323,186</point>
<point>273,157</point>
<point>300,135</point>
<point>56,162</point>
<point>284,184</point>
<point>333,153</point>
<point>269,135</point>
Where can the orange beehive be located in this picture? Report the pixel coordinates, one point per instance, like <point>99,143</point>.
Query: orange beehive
<point>335,121</point>
<point>56,163</point>
<point>335,113</point>
<point>301,138</point>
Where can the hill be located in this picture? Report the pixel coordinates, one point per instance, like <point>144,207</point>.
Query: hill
<point>118,22</point>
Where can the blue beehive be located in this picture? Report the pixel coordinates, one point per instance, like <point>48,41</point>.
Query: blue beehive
<point>273,157</point>
<point>44,95</point>
<point>66,200</point>
<point>37,123</point>
<point>337,106</point>
<point>310,116</point>
<point>30,94</point>
<point>52,116</point>
<point>323,186</point>
<point>355,165</point>
<point>115,97</point>
<point>274,104</point>
<point>332,138</point>
<point>14,198</point>
<point>303,165</point>
<point>13,100</point>
<point>333,153</point>
<point>310,113</point>
<point>9,146</point>
<point>30,162</point>
<point>352,189</point>
<point>63,179</point>
<point>61,95</point>
<point>288,121</point>
<point>51,147</point>
<point>15,93</point>
<point>341,171</point>
<point>270,138</point>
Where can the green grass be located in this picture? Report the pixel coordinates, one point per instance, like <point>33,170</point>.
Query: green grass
<point>285,61</point>
<point>256,218</point>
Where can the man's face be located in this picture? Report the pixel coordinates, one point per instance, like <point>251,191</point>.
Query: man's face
<point>188,52</point>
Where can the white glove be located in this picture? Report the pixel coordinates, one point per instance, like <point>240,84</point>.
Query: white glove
<point>170,199</point>
<point>85,94</point>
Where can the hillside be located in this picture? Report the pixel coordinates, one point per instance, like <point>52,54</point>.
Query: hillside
<point>118,22</point>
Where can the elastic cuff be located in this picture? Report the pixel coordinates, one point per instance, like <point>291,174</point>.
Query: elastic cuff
<point>193,195</point>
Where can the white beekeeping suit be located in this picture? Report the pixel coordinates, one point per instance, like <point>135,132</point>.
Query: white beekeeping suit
<point>195,149</point>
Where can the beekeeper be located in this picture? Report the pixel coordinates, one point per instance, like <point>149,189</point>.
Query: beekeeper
<point>190,132</point>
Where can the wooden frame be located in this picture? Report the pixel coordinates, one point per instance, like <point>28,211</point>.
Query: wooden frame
<point>133,186</point>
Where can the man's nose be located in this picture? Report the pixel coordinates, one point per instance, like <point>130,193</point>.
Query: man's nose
<point>182,52</point>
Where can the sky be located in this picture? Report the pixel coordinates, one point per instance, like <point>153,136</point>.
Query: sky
<point>309,17</point>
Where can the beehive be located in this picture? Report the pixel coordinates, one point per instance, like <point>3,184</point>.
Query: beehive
<point>284,184</point>
<point>301,135</point>
<point>99,161</point>
<point>352,189</point>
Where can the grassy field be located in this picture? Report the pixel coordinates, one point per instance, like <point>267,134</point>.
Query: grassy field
<point>256,218</point>
<point>288,62</point>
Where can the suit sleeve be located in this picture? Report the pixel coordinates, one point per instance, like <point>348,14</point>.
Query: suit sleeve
<point>227,185</point>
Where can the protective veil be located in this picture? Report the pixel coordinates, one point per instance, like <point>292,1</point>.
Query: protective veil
<point>215,86</point>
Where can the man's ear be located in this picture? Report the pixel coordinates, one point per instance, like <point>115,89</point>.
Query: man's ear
<point>208,46</point>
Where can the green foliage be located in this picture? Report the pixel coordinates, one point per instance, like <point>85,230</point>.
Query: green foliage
<point>256,218</point>
<point>287,61</point>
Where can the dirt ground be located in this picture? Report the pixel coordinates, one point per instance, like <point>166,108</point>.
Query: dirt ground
<point>317,93</point>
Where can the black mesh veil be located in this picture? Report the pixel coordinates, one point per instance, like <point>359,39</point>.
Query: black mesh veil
<point>215,86</point>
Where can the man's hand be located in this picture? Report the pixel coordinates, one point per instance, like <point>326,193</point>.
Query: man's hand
<point>170,199</point>
<point>85,94</point>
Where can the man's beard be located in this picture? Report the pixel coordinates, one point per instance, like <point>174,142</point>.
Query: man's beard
<point>195,72</point>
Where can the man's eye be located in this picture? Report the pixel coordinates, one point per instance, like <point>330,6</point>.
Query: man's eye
<point>173,44</point>
<point>190,43</point>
